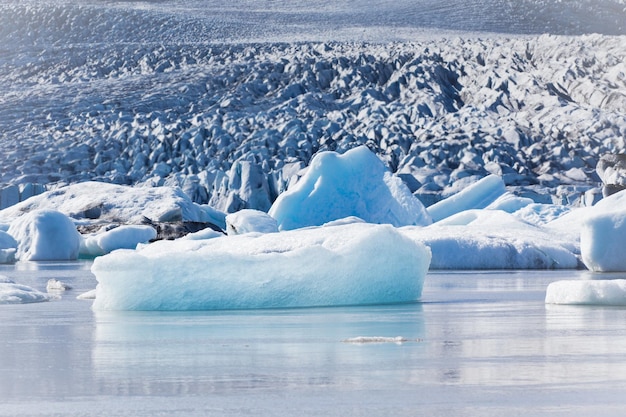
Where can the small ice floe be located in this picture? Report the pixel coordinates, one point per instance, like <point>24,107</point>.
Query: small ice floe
<point>56,285</point>
<point>89,295</point>
<point>12,293</point>
<point>361,340</point>
<point>601,292</point>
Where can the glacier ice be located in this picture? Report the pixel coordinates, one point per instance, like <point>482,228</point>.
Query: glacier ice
<point>45,235</point>
<point>355,183</point>
<point>348,264</point>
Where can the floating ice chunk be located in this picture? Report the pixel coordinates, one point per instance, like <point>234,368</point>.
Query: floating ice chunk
<point>45,235</point>
<point>353,184</point>
<point>56,285</point>
<point>12,293</point>
<point>603,234</point>
<point>601,292</point>
<point>359,340</point>
<point>349,264</point>
<point>477,196</point>
<point>122,237</point>
<point>248,220</point>
<point>88,295</point>
<point>493,239</point>
<point>8,248</point>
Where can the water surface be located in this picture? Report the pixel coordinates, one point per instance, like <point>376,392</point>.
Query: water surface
<point>477,344</point>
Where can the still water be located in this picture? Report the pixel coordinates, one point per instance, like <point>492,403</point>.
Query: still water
<point>478,343</point>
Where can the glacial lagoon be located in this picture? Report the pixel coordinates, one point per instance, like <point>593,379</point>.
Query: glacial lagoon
<point>477,343</point>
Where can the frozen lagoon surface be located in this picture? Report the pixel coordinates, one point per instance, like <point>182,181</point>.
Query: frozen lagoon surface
<point>478,343</point>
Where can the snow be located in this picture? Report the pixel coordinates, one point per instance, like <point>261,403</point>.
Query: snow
<point>12,293</point>
<point>122,237</point>
<point>355,183</point>
<point>248,221</point>
<point>587,292</point>
<point>45,235</point>
<point>349,264</point>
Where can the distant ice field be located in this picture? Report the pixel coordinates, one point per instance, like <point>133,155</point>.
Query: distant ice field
<point>230,100</point>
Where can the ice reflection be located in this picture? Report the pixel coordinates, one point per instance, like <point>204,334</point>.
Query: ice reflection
<point>202,352</point>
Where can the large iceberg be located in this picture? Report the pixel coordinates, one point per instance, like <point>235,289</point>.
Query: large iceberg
<point>603,234</point>
<point>357,184</point>
<point>8,248</point>
<point>347,264</point>
<point>589,292</point>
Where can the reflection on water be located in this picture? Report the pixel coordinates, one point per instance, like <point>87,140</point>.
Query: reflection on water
<point>222,351</point>
<point>481,343</point>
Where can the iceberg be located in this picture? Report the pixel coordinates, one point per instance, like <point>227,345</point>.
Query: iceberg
<point>121,237</point>
<point>8,248</point>
<point>600,292</point>
<point>603,235</point>
<point>493,239</point>
<point>349,264</point>
<point>478,195</point>
<point>355,183</point>
<point>45,235</point>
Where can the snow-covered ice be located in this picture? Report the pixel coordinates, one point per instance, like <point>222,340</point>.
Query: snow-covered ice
<point>348,264</point>
<point>91,201</point>
<point>587,292</point>
<point>45,235</point>
<point>355,183</point>
<point>122,237</point>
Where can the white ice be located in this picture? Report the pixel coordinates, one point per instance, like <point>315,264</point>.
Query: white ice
<point>8,248</point>
<point>493,239</point>
<point>248,221</point>
<point>12,293</point>
<point>97,200</point>
<point>355,183</point>
<point>348,264</point>
<point>122,237</point>
<point>477,196</point>
<point>587,292</point>
<point>45,235</point>
<point>603,234</point>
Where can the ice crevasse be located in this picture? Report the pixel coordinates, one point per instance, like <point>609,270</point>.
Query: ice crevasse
<point>342,264</point>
